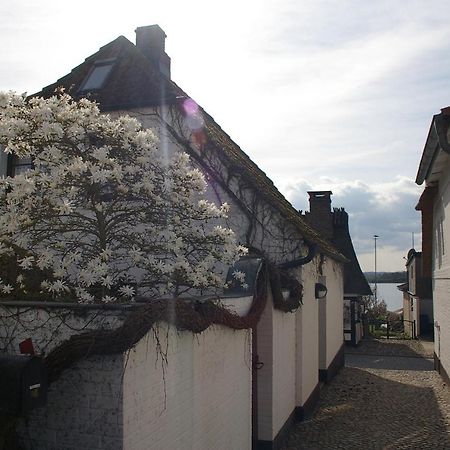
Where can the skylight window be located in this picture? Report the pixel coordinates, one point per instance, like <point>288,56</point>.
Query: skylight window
<point>97,76</point>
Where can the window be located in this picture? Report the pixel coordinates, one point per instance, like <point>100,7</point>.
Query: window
<point>17,165</point>
<point>97,76</point>
<point>347,315</point>
<point>439,243</point>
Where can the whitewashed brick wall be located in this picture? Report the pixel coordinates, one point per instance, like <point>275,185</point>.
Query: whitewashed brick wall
<point>265,373</point>
<point>200,399</point>
<point>334,303</point>
<point>307,336</point>
<point>441,273</point>
<point>277,377</point>
<point>284,367</point>
<point>83,411</point>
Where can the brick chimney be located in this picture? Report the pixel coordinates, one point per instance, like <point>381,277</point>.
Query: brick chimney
<point>320,215</point>
<point>340,218</point>
<point>150,40</point>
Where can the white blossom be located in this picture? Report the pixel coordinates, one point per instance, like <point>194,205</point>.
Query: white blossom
<point>6,289</point>
<point>240,276</point>
<point>26,263</point>
<point>89,215</point>
<point>127,291</point>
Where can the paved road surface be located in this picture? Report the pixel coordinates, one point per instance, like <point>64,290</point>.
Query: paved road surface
<point>387,397</point>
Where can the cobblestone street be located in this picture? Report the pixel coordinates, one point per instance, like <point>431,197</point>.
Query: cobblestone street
<point>387,397</point>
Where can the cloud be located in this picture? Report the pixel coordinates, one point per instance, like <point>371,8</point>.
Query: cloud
<point>333,87</point>
<point>385,209</point>
<point>321,94</point>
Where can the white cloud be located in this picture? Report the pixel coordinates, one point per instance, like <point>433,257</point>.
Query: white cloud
<point>329,94</point>
<point>384,209</point>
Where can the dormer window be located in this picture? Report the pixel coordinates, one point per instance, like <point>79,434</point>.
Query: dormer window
<point>98,75</point>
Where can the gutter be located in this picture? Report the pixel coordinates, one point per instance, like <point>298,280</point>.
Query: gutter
<point>312,251</point>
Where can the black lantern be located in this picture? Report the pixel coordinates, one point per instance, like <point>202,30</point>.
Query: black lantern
<point>320,290</point>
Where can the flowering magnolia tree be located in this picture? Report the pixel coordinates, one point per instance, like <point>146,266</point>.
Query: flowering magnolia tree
<point>102,215</point>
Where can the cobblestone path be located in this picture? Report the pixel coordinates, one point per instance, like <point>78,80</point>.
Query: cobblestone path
<point>387,397</point>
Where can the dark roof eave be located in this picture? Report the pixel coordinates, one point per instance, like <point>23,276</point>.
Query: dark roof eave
<point>436,141</point>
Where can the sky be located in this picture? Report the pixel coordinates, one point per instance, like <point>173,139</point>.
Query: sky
<point>322,95</point>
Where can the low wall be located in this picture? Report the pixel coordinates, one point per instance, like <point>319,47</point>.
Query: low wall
<point>172,390</point>
<point>191,392</point>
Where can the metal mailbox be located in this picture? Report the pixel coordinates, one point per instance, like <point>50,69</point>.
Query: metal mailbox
<point>23,384</point>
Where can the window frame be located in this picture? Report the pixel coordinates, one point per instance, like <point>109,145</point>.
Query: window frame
<point>100,63</point>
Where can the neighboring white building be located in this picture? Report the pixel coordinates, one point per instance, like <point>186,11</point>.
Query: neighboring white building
<point>289,349</point>
<point>417,298</point>
<point>333,225</point>
<point>434,171</point>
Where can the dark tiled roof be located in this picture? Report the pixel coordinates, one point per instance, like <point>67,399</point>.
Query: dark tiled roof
<point>134,82</point>
<point>354,280</point>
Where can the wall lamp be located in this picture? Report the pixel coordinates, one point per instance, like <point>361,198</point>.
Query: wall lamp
<point>320,290</point>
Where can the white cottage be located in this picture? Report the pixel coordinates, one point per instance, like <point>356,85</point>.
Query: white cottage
<point>292,342</point>
<point>434,204</point>
<point>333,225</point>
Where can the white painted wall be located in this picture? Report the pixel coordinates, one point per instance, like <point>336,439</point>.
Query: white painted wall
<point>441,270</point>
<point>284,367</point>
<point>277,377</point>
<point>334,304</point>
<point>323,328</point>
<point>200,399</point>
<point>307,336</point>
<point>265,373</point>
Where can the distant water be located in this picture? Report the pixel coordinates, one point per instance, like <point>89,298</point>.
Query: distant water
<point>390,294</point>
